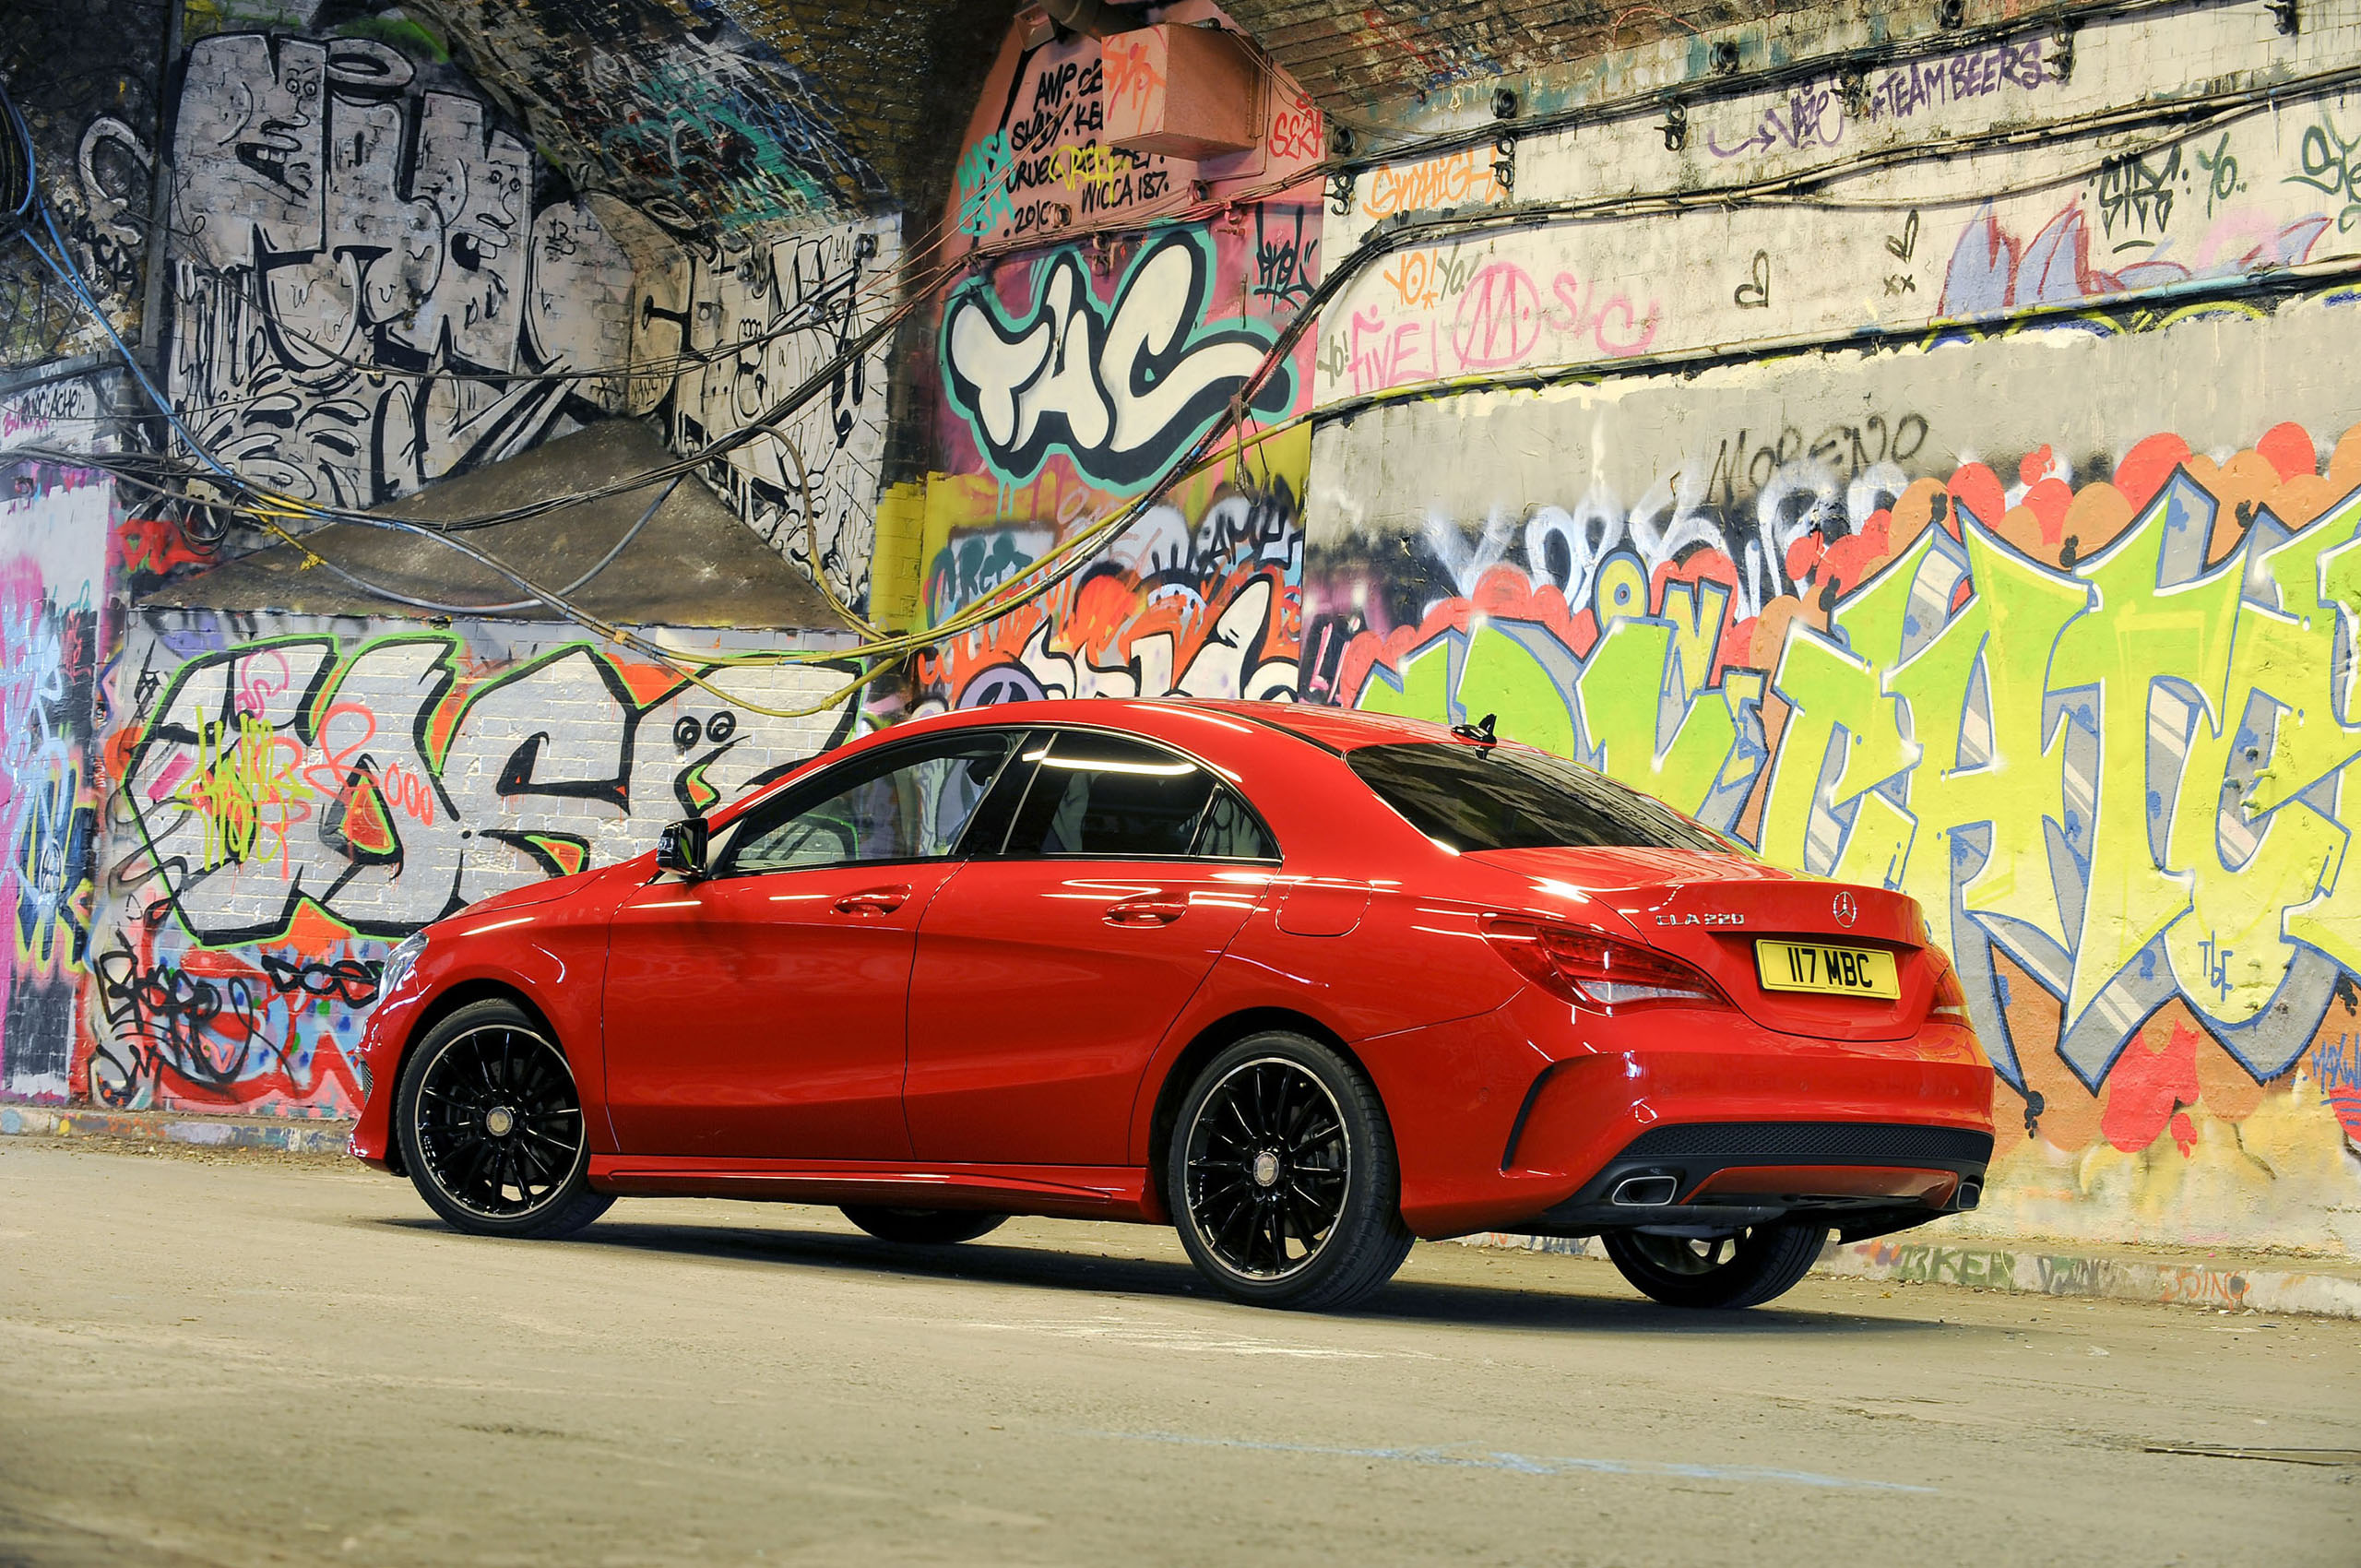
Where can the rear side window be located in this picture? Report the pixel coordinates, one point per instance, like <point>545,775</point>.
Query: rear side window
<point>1232,832</point>
<point>1474,797</point>
<point>1105,796</point>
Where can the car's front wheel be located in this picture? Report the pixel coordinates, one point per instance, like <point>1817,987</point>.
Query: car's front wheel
<point>1283,1177</point>
<point>1745,1269</point>
<point>923,1227</point>
<point>490,1126</point>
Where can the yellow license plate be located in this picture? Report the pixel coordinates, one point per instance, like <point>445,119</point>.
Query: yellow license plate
<point>1826,969</point>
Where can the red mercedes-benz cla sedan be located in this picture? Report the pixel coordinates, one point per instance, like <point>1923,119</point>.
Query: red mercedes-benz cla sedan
<point>1305,983</point>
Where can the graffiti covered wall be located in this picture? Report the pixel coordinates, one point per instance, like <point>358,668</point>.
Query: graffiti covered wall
<point>1993,545</point>
<point>1071,378</point>
<point>375,281</point>
<point>1992,542</point>
<point>378,280</point>
<point>289,797</point>
<point>54,524</point>
<point>2109,766</point>
<point>761,313</point>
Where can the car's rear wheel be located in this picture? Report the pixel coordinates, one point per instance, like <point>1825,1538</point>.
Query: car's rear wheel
<point>491,1129</point>
<point>1283,1177</point>
<point>923,1227</point>
<point>1744,1269</point>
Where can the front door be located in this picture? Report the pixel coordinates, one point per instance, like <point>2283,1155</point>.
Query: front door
<point>760,1013</point>
<point>1047,975</point>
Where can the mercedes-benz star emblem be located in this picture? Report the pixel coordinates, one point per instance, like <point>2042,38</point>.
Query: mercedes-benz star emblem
<point>1848,911</point>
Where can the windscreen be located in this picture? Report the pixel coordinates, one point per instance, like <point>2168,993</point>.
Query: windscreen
<point>1474,797</point>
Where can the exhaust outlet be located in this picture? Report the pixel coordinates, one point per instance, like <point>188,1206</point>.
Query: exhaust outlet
<point>1971,1192</point>
<point>1645,1192</point>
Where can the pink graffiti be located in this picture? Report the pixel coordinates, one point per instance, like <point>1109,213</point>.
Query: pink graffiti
<point>1583,309</point>
<point>1383,356</point>
<point>1500,318</point>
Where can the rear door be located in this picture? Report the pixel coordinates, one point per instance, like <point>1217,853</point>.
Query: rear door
<point>1045,975</point>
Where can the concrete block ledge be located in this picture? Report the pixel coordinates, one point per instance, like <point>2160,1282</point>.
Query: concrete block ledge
<point>2331,1288</point>
<point>286,1135</point>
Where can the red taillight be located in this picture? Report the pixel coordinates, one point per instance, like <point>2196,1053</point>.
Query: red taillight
<point>1599,972</point>
<point>1950,1005</point>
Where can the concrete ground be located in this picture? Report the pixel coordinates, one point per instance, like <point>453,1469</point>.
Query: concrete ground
<point>243,1357</point>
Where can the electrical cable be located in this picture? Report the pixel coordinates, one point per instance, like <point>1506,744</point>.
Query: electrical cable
<point>313,558</point>
<point>2063,18</point>
<point>1072,553</point>
<point>1797,188</point>
<point>21,139</point>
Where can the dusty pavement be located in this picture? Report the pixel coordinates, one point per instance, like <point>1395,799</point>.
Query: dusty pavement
<point>253,1359</point>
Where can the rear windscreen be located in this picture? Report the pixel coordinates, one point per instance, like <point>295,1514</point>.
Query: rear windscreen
<point>1473,797</point>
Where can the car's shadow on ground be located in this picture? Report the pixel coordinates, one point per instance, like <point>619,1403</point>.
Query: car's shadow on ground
<point>1487,1303</point>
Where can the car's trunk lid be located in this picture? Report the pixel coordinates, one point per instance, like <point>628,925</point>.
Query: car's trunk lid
<point>1713,910</point>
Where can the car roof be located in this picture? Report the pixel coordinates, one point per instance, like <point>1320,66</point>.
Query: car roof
<point>1333,729</point>
<point>1336,730</point>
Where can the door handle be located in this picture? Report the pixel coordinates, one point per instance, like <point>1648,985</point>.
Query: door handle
<point>873,901</point>
<point>1155,910</point>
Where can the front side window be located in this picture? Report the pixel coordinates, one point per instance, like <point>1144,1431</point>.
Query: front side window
<point>1104,796</point>
<point>905,803</point>
<point>1474,797</point>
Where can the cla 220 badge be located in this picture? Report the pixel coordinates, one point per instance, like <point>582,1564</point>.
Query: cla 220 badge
<point>1710,919</point>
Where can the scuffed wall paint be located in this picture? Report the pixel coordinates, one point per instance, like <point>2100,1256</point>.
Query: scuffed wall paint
<point>290,796</point>
<point>1993,234</point>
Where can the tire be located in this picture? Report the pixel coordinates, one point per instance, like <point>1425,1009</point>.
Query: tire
<point>923,1227</point>
<point>1283,1178</point>
<point>487,1105</point>
<point>1744,1270</point>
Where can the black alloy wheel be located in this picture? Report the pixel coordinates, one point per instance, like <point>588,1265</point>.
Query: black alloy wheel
<point>1282,1177</point>
<point>1743,1269</point>
<point>923,1227</point>
<point>491,1129</point>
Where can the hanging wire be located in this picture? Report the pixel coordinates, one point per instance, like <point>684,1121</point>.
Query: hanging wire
<point>1070,554</point>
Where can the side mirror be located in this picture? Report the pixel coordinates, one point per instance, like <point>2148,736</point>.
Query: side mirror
<point>681,847</point>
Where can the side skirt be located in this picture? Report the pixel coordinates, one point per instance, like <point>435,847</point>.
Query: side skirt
<point>1082,1191</point>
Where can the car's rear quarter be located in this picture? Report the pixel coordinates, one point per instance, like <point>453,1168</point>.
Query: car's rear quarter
<point>1516,1105</point>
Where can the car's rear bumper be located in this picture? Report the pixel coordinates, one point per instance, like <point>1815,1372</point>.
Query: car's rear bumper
<point>1853,1174</point>
<point>1544,1112</point>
